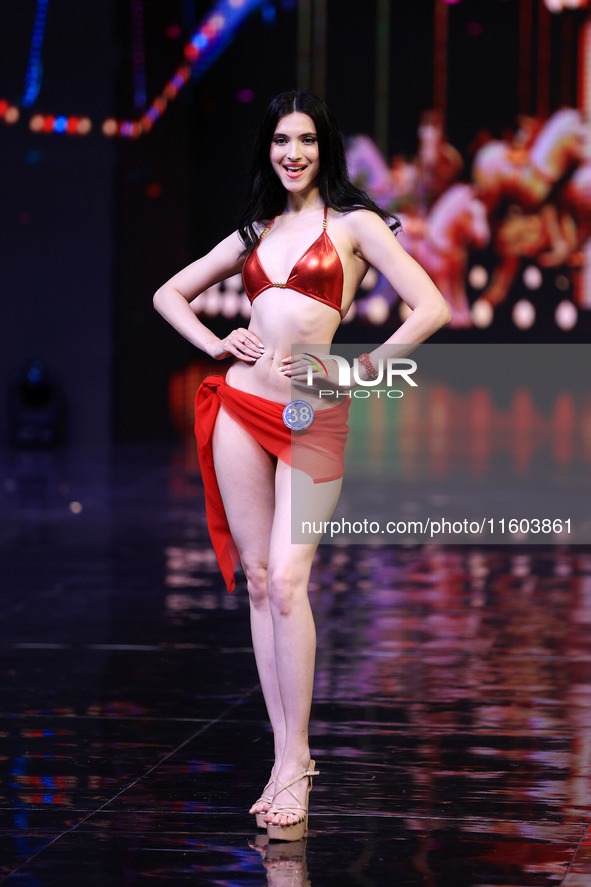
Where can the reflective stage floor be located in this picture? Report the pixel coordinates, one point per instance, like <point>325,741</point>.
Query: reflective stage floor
<point>451,723</point>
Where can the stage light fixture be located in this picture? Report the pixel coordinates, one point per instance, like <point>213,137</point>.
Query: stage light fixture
<point>36,408</point>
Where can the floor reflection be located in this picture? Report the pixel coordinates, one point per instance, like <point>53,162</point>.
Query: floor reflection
<point>452,715</point>
<point>284,861</point>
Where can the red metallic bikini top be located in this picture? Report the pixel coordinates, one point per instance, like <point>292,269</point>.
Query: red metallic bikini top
<point>318,273</point>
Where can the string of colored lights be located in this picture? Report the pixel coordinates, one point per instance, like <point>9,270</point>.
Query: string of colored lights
<point>210,39</point>
<point>212,36</point>
<point>34,74</point>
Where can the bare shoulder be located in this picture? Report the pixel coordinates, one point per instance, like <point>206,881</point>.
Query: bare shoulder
<point>364,227</point>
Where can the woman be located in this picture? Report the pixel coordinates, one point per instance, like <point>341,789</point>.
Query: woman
<point>306,241</point>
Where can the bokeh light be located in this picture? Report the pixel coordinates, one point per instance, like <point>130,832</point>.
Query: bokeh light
<point>532,277</point>
<point>482,314</point>
<point>523,314</point>
<point>478,277</point>
<point>562,282</point>
<point>377,309</point>
<point>566,315</point>
<point>370,280</point>
<point>230,304</point>
<point>110,127</point>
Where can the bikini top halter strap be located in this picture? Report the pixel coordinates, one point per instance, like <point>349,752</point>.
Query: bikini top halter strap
<point>270,225</point>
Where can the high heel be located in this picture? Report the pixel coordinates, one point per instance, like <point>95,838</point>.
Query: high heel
<point>299,829</point>
<point>264,799</point>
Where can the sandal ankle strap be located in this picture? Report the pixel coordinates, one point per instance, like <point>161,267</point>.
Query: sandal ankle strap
<point>308,773</point>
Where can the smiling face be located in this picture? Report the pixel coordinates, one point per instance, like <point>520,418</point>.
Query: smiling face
<point>294,153</point>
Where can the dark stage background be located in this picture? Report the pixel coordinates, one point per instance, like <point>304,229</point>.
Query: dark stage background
<point>452,700</point>
<point>95,221</point>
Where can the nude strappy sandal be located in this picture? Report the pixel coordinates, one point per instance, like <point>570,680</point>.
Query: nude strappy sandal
<point>264,799</point>
<point>297,830</point>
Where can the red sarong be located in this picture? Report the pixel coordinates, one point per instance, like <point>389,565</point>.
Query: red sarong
<point>318,451</point>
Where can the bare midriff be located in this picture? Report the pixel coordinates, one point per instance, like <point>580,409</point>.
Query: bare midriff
<point>282,318</point>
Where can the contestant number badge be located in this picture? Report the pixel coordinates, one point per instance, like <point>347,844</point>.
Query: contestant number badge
<point>298,415</point>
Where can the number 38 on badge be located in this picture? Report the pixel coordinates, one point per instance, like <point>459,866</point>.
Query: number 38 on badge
<point>298,415</point>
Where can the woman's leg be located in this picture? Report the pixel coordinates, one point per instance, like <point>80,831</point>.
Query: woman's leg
<point>246,480</point>
<point>258,502</point>
<point>293,624</point>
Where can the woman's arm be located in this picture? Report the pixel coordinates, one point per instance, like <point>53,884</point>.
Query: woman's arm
<point>373,241</point>
<point>173,299</point>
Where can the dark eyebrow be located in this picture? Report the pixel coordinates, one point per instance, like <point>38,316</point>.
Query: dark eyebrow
<point>303,135</point>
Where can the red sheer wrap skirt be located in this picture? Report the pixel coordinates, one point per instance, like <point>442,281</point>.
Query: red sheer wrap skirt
<point>317,450</point>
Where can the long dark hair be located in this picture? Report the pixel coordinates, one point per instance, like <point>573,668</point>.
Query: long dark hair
<point>267,197</point>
